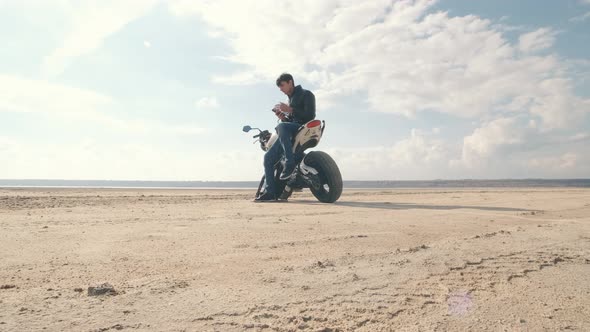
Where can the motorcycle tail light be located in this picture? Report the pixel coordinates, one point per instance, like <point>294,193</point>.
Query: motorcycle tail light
<point>313,124</point>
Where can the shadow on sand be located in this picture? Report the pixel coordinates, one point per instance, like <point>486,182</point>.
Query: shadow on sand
<point>409,206</point>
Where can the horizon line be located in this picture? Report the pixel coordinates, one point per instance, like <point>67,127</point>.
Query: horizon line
<point>352,180</point>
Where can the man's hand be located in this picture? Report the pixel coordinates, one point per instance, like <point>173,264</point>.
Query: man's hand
<point>284,108</point>
<point>281,110</point>
<point>280,115</point>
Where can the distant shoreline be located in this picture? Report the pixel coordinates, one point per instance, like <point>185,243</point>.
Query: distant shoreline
<point>126,187</point>
<point>234,185</point>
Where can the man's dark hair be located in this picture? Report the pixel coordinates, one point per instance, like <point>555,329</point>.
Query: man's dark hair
<point>285,77</point>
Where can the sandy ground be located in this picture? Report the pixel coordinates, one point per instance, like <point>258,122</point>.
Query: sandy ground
<point>203,260</point>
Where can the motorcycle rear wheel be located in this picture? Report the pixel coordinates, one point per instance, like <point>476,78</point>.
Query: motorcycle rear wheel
<point>330,187</point>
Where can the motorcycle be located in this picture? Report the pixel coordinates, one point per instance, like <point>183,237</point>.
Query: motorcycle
<point>315,170</point>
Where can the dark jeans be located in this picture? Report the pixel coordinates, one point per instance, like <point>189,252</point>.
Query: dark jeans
<point>284,144</point>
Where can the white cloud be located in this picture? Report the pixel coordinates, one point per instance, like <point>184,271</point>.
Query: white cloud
<point>133,160</point>
<point>236,79</point>
<point>579,137</point>
<point>91,22</point>
<point>405,58</point>
<point>537,40</point>
<point>185,129</point>
<point>147,44</point>
<point>7,145</point>
<point>563,162</point>
<point>25,95</point>
<point>74,104</point>
<point>490,139</point>
<point>207,103</point>
<point>580,18</point>
<point>557,105</point>
<point>419,156</point>
<point>507,146</point>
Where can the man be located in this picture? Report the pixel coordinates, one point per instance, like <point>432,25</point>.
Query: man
<point>301,109</point>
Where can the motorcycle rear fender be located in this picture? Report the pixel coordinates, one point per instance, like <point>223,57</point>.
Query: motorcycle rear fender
<point>307,137</point>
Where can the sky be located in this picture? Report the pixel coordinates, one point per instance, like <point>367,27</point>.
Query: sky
<point>409,89</point>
